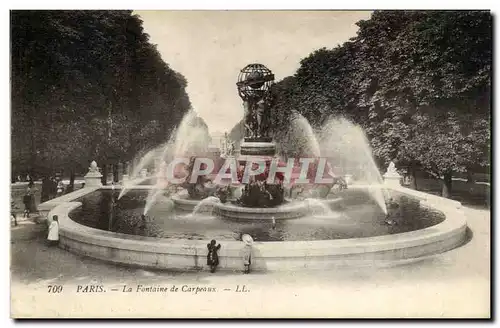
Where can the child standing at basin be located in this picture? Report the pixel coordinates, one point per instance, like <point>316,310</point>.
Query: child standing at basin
<point>212,256</point>
<point>53,236</point>
<point>247,251</point>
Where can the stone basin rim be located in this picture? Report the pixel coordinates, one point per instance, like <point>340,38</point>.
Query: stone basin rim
<point>374,240</point>
<point>454,220</point>
<point>183,254</point>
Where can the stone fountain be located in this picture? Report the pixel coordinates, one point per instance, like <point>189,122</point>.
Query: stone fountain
<point>259,201</point>
<point>254,82</point>
<point>254,195</point>
<point>391,176</point>
<point>93,177</point>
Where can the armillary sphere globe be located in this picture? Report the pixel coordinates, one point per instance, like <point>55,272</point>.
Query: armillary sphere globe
<point>254,80</point>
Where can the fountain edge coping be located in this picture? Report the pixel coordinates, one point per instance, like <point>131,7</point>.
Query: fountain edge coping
<point>454,223</point>
<point>51,204</point>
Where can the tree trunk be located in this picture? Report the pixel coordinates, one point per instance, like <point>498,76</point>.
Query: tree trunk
<point>470,177</point>
<point>71,186</point>
<point>414,180</point>
<point>104,173</point>
<point>33,157</point>
<point>115,172</point>
<point>413,177</point>
<point>446,183</point>
<point>119,171</point>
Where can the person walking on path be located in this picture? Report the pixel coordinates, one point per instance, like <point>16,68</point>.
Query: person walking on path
<point>53,235</point>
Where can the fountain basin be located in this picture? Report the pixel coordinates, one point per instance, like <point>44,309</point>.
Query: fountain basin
<point>334,203</point>
<point>293,210</point>
<point>182,202</point>
<point>185,254</point>
<point>286,211</point>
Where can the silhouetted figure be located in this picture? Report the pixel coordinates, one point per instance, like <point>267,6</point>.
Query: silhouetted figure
<point>212,256</point>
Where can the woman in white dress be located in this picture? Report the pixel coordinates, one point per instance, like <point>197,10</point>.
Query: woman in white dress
<point>53,235</point>
<point>247,251</point>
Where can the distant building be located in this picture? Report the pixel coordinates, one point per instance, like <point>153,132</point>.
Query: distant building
<point>217,139</point>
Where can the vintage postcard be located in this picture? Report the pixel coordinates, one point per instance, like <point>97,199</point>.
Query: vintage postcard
<point>250,164</point>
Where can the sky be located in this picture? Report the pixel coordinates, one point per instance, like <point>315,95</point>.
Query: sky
<point>210,48</point>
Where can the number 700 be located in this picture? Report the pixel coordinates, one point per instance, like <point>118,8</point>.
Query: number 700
<point>54,288</point>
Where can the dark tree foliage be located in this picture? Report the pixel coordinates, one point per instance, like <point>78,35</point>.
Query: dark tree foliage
<point>87,85</point>
<point>418,82</point>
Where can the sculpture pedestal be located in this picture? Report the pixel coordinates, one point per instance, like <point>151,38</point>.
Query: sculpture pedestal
<point>253,194</point>
<point>257,147</point>
<point>392,180</point>
<point>93,180</point>
<point>391,177</point>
